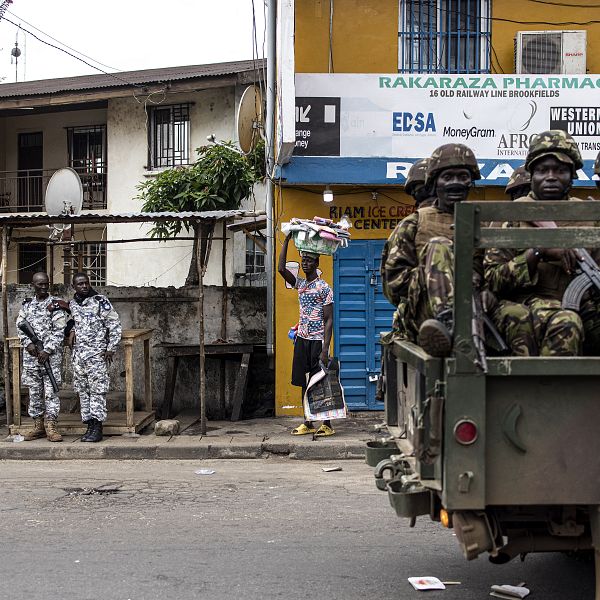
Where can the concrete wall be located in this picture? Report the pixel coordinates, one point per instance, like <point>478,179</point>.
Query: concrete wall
<point>172,314</point>
<point>165,263</point>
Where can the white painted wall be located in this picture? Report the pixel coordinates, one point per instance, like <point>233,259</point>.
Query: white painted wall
<point>163,263</point>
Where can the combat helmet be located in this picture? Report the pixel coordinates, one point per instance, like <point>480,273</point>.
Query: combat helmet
<point>557,143</point>
<point>519,178</point>
<point>417,175</point>
<point>451,156</point>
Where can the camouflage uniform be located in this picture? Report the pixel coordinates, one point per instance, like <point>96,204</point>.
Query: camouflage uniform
<point>418,257</point>
<point>559,332</point>
<point>519,179</point>
<point>48,321</point>
<point>97,330</point>
<point>415,184</point>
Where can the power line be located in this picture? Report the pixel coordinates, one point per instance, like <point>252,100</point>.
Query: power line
<point>10,12</point>
<point>68,53</point>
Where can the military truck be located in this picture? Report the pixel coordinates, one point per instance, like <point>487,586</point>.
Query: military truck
<point>505,450</point>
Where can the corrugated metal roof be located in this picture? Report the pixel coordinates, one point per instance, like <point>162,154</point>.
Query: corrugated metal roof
<point>126,78</point>
<point>34,219</point>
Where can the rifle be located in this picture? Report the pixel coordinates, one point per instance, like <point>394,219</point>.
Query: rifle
<point>589,275</point>
<point>27,329</point>
<point>480,322</point>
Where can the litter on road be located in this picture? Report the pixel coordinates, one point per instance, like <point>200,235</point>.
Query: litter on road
<point>205,472</point>
<point>426,583</point>
<point>509,592</point>
<point>331,469</point>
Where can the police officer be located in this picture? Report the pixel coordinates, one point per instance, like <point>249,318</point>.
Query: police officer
<point>97,332</point>
<point>538,277</point>
<point>415,184</point>
<point>47,317</point>
<point>418,258</point>
<point>519,184</point>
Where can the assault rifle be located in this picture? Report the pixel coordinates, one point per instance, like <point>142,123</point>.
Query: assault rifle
<point>588,276</point>
<point>480,323</point>
<point>27,329</point>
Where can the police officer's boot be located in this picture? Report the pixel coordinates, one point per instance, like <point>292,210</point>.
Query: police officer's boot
<point>51,431</point>
<point>435,335</point>
<point>38,430</point>
<point>86,435</point>
<point>96,432</point>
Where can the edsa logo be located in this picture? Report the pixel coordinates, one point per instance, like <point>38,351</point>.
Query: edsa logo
<point>405,122</point>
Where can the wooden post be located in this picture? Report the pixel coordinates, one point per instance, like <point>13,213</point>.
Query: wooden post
<point>224,300</point>
<point>200,268</point>
<point>6,368</point>
<point>129,406</point>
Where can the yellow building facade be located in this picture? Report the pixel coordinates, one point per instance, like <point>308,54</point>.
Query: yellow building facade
<point>362,36</point>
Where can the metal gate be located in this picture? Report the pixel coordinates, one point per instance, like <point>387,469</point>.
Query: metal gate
<point>361,312</point>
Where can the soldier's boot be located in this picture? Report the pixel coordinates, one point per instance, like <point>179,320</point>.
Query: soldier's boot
<point>86,435</point>
<point>96,432</point>
<point>52,432</point>
<point>435,335</point>
<point>38,430</point>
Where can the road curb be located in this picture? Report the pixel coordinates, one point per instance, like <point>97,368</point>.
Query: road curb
<point>75,451</point>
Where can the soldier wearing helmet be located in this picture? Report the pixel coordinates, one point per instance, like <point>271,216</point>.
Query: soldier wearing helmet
<point>415,184</point>
<point>418,259</point>
<point>596,170</point>
<point>538,277</point>
<point>519,184</point>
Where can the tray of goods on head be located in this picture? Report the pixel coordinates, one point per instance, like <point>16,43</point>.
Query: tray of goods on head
<point>318,235</point>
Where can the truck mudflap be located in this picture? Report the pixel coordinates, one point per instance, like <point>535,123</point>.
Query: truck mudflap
<point>406,494</point>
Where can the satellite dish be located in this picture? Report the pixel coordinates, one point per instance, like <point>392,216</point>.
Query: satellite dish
<point>250,118</point>
<point>64,194</point>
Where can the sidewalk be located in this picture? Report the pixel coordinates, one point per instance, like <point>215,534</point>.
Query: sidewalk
<point>256,438</point>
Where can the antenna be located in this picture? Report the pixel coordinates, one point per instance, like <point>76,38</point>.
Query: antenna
<point>250,119</point>
<point>64,196</point>
<point>15,53</point>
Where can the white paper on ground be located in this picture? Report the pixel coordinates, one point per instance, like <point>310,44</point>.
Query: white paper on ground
<point>426,583</point>
<point>204,472</point>
<point>510,591</point>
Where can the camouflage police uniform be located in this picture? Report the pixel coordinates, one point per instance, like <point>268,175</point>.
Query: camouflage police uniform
<point>97,330</point>
<point>48,321</point>
<point>559,332</point>
<point>418,257</point>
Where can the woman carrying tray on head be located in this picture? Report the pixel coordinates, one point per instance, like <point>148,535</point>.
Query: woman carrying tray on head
<point>315,327</point>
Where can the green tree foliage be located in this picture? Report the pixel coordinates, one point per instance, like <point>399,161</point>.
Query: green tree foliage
<point>219,179</point>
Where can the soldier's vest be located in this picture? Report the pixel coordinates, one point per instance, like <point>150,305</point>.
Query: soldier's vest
<point>552,280</point>
<point>433,223</point>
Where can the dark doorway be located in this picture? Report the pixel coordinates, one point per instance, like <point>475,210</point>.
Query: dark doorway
<point>30,165</point>
<point>32,258</point>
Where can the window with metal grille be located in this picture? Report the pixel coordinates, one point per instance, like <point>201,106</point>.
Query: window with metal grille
<point>444,36</point>
<point>169,132</point>
<point>87,155</point>
<point>255,257</point>
<point>32,258</point>
<point>88,258</point>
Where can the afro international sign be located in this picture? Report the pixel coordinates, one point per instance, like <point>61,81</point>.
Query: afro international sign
<point>369,129</point>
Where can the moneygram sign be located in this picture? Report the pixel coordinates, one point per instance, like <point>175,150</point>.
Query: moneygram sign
<point>370,124</point>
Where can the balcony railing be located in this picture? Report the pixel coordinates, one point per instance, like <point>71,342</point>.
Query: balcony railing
<point>23,191</point>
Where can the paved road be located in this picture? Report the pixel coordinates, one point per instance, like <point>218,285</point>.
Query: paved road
<point>255,529</point>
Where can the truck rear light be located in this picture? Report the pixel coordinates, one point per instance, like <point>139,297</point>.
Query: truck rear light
<point>445,518</point>
<point>465,432</point>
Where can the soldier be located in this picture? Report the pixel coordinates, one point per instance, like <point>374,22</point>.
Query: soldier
<point>47,317</point>
<point>519,184</point>
<point>97,332</point>
<point>597,170</point>
<point>418,260</point>
<point>415,184</point>
<point>538,277</point>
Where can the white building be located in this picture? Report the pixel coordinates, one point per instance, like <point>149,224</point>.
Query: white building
<point>116,131</point>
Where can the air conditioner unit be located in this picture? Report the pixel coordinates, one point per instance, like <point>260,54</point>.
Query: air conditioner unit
<point>549,52</point>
